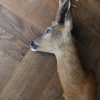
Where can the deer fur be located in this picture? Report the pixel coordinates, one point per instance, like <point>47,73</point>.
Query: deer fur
<point>76,83</point>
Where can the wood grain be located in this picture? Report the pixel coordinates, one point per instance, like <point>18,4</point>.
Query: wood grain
<point>30,77</point>
<point>53,91</point>
<point>6,68</point>
<point>32,11</point>
<point>35,77</point>
<point>15,38</point>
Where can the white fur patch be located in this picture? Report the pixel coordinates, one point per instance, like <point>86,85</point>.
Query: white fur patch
<point>34,50</point>
<point>59,53</point>
<point>47,35</point>
<point>67,37</point>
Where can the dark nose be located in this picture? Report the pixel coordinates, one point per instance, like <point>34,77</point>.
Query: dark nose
<point>34,46</point>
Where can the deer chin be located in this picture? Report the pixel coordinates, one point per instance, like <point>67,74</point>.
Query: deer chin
<point>32,49</point>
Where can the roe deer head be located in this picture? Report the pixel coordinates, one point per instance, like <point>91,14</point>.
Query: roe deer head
<point>58,34</point>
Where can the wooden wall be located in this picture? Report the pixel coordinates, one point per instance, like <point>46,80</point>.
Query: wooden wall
<point>28,76</point>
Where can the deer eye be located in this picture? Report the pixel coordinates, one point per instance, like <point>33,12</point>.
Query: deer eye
<point>49,30</point>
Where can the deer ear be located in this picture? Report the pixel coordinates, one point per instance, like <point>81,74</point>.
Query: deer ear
<point>61,2</point>
<point>64,16</point>
<point>68,17</point>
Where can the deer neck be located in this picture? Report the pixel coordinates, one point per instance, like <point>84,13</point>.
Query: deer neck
<point>69,67</point>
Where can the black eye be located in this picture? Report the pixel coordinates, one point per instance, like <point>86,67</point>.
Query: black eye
<point>49,30</point>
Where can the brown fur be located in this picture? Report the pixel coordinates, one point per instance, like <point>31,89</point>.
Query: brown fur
<point>76,83</point>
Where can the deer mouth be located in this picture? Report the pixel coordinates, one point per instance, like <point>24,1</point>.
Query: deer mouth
<point>33,47</point>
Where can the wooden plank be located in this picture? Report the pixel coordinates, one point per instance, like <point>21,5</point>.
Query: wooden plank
<point>53,91</point>
<point>32,11</point>
<point>7,64</point>
<point>15,37</point>
<point>86,29</point>
<point>30,78</point>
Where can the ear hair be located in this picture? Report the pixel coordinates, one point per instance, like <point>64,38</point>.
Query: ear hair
<point>68,17</point>
<point>61,2</point>
<point>62,10</point>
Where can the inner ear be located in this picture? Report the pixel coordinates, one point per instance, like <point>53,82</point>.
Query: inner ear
<point>62,10</point>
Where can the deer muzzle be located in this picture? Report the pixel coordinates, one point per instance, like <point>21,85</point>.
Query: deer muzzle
<point>33,46</point>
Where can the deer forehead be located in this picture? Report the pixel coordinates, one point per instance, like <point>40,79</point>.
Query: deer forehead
<point>58,27</point>
<point>59,34</point>
<point>64,32</point>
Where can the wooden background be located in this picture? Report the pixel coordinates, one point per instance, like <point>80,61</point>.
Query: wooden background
<point>32,76</point>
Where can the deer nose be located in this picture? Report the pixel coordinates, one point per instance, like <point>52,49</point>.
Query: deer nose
<point>33,46</point>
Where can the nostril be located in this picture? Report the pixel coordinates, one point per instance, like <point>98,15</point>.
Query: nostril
<point>34,46</point>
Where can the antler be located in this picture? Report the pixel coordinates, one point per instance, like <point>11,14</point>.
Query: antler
<point>62,10</point>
